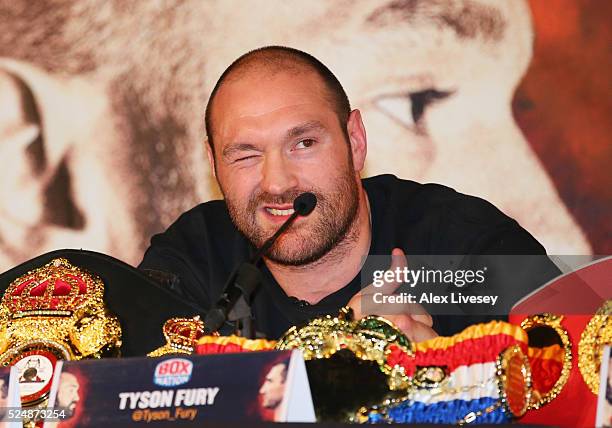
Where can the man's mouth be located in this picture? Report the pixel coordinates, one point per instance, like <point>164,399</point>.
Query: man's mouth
<point>280,212</point>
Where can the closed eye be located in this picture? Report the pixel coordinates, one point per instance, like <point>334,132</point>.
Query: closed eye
<point>244,158</point>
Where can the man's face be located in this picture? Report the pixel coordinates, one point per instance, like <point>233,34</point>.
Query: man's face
<point>274,138</point>
<point>68,392</point>
<point>273,387</point>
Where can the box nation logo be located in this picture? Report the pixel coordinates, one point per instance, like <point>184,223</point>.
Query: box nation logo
<point>172,372</point>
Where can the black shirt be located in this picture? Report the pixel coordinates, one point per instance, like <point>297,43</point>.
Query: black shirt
<point>203,246</point>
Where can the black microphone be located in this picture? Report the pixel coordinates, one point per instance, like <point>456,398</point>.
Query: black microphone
<point>305,203</point>
<point>245,278</point>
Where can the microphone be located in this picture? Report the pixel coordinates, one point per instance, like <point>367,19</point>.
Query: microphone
<point>245,278</point>
<point>305,203</point>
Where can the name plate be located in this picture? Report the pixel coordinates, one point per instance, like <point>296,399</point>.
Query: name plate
<point>250,386</point>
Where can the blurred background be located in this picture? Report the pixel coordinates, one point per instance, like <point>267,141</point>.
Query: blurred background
<point>102,104</point>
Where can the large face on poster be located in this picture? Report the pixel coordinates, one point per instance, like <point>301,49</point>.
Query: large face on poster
<point>101,123</point>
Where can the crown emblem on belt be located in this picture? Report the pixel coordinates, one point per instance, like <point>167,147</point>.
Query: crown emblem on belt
<point>55,312</point>
<point>56,289</point>
<point>181,335</point>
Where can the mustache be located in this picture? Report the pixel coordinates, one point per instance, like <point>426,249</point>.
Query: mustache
<point>264,198</point>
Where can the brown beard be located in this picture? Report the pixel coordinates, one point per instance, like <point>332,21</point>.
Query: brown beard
<point>334,213</point>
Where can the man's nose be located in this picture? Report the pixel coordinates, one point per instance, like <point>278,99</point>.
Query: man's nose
<point>278,174</point>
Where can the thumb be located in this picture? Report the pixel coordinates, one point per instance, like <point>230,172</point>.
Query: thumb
<point>416,311</point>
<point>398,264</point>
<point>398,259</point>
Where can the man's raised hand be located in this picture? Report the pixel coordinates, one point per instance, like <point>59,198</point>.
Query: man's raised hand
<point>412,318</point>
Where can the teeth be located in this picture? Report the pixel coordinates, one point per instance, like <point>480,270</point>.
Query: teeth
<point>280,212</point>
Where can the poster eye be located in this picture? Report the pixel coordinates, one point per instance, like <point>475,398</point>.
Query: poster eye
<point>409,109</point>
<point>398,108</point>
<point>421,99</point>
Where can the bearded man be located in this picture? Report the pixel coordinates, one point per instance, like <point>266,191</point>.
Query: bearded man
<point>279,123</point>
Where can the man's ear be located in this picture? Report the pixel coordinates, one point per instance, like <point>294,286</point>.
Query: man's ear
<point>358,139</point>
<point>211,157</point>
<point>41,116</point>
<point>22,155</point>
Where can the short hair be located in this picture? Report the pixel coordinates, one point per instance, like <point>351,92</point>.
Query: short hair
<point>285,365</point>
<point>275,59</point>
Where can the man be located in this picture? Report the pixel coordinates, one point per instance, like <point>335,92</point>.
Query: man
<point>68,394</point>
<point>273,388</point>
<point>100,134</point>
<point>279,123</point>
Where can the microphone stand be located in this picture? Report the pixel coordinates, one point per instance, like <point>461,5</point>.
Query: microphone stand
<point>235,302</point>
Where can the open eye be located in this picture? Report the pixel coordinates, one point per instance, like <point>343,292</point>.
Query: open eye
<point>305,144</point>
<point>408,109</point>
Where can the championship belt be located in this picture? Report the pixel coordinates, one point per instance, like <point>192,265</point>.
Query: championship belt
<point>480,375</point>
<point>55,312</point>
<point>568,322</point>
<point>565,353</point>
<point>348,362</point>
<point>368,371</point>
